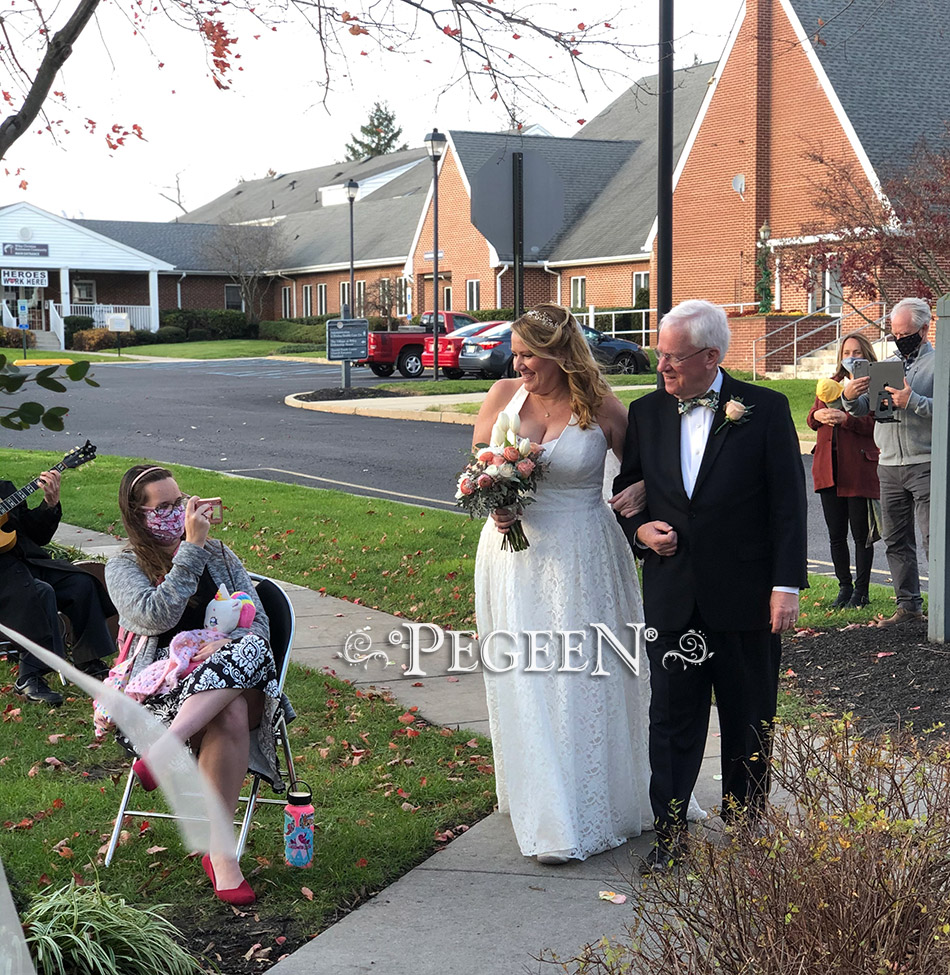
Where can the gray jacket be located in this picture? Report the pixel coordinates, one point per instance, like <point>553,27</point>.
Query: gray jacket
<point>149,610</point>
<point>907,441</point>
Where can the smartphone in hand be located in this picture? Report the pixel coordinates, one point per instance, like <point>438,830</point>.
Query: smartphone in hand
<point>217,509</point>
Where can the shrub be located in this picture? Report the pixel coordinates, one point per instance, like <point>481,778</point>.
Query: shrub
<point>82,929</point>
<point>12,338</point>
<point>169,333</point>
<point>300,347</point>
<point>284,331</point>
<point>199,335</point>
<point>850,874</point>
<point>73,324</point>
<point>492,314</point>
<point>93,340</point>
<point>221,324</point>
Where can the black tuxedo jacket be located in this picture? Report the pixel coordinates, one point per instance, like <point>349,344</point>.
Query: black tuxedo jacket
<point>744,529</point>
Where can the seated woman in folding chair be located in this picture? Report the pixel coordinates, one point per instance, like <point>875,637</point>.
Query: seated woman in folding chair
<point>224,708</point>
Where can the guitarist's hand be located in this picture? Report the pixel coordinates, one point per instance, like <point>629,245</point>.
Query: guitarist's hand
<point>196,522</point>
<point>50,482</point>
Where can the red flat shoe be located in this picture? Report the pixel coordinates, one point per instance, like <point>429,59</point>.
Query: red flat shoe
<point>239,896</point>
<point>144,774</point>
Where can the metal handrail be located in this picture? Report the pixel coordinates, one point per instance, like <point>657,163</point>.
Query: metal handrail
<point>796,322</point>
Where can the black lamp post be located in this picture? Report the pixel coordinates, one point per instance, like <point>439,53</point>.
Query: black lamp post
<point>352,191</point>
<point>435,146</point>
<point>349,311</point>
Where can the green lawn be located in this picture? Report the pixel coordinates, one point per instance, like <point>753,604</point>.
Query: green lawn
<point>229,349</point>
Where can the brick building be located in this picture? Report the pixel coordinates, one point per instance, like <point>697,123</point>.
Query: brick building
<point>863,86</point>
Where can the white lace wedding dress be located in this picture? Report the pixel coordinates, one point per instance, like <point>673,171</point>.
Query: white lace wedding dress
<point>571,759</point>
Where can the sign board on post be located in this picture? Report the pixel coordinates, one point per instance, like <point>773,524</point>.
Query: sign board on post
<point>23,313</point>
<point>21,278</point>
<point>118,323</point>
<point>347,340</point>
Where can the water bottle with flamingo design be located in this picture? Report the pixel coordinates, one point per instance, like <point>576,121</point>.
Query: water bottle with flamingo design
<point>298,826</point>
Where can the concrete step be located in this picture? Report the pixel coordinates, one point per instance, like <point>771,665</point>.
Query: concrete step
<point>45,340</point>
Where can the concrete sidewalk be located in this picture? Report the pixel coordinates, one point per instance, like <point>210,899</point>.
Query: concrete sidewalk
<point>477,905</point>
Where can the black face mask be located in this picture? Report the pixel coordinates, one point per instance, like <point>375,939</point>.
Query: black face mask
<point>907,345</point>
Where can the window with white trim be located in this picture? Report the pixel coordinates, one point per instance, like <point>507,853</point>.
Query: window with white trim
<point>307,293</point>
<point>385,296</point>
<point>286,302</point>
<point>360,310</point>
<point>403,297</point>
<point>473,295</point>
<point>641,280</point>
<point>321,299</point>
<point>83,292</point>
<point>579,292</point>
<point>232,297</point>
<point>344,295</point>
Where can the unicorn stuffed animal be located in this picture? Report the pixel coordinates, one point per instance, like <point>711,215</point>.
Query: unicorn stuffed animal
<point>225,613</point>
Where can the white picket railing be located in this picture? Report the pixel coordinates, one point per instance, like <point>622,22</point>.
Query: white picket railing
<point>56,325</point>
<point>9,321</point>
<point>140,316</point>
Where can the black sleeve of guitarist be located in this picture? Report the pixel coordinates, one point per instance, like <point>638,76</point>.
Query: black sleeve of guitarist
<point>32,525</point>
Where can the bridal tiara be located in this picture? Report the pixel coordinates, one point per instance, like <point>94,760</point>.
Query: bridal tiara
<point>543,317</point>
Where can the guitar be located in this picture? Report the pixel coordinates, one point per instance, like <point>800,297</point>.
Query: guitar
<point>75,458</point>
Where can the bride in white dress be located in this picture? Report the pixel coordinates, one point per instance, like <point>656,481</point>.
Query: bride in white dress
<point>570,750</point>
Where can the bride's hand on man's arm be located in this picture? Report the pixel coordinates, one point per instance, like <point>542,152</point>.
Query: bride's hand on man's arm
<point>631,500</point>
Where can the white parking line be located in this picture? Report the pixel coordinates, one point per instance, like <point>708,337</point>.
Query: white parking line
<point>347,484</point>
<point>881,572</point>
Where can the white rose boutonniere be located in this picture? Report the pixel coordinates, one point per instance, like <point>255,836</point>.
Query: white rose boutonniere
<point>736,413</point>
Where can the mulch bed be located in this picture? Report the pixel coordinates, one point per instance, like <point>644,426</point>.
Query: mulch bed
<point>354,392</point>
<point>889,677</point>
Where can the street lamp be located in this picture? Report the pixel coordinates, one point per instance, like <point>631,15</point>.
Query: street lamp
<point>352,191</point>
<point>435,146</point>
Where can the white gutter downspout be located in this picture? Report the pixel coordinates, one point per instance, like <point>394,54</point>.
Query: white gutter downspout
<point>182,278</point>
<point>557,274</point>
<point>498,285</point>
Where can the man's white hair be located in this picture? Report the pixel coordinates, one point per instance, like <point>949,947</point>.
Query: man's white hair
<point>704,322</point>
<point>919,311</point>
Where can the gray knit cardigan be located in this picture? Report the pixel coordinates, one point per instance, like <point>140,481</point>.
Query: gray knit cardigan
<point>148,610</point>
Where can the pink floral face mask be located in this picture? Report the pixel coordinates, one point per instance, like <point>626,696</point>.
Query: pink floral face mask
<point>166,523</point>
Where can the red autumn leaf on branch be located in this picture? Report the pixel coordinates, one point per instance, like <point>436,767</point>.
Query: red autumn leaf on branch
<point>451,31</point>
<point>356,31</point>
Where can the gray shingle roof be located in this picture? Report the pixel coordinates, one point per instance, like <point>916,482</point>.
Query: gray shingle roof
<point>298,192</point>
<point>887,61</point>
<point>585,166</point>
<point>621,213</point>
<point>182,245</point>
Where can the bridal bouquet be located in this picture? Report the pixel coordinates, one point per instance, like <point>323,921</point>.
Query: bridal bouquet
<point>502,474</point>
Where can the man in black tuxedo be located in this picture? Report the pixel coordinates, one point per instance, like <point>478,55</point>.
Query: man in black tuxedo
<point>723,542</point>
<point>33,587</point>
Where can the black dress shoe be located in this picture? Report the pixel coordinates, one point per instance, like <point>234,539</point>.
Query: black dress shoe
<point>843,598</point>
<point>36,689</point>
<point>96,668</point>
<point>662,860</point>
<point>858,600</point>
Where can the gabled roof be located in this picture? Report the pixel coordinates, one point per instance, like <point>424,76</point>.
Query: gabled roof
<point>887,62</point>
<point>585,166</point>
<point>184,246</point>
<point>299,192</point>
<point>620,216</point>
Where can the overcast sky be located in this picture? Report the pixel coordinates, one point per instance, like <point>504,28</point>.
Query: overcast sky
<point>272,117</point>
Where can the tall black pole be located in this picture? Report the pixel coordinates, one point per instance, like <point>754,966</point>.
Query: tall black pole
<point>664,170</point>
<point>517,228</point>
<point>350,312</point>
<point>435,268</point>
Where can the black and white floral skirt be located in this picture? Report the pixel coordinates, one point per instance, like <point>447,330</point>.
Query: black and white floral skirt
<point>246,664</point>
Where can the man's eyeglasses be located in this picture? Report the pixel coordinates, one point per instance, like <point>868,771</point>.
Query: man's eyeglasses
<point>166,506</point>
<point>669,357</point>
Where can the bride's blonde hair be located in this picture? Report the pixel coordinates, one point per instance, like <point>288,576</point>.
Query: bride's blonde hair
<point>552,332</point>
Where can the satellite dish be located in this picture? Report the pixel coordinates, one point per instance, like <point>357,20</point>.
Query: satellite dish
<point>738,184</point>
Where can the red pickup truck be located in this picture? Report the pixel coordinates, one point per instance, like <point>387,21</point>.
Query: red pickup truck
<point>402,349</point>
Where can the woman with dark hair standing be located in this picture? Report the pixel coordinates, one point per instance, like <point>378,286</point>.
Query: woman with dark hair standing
<point>224,708</point>
<point>845,475</point>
